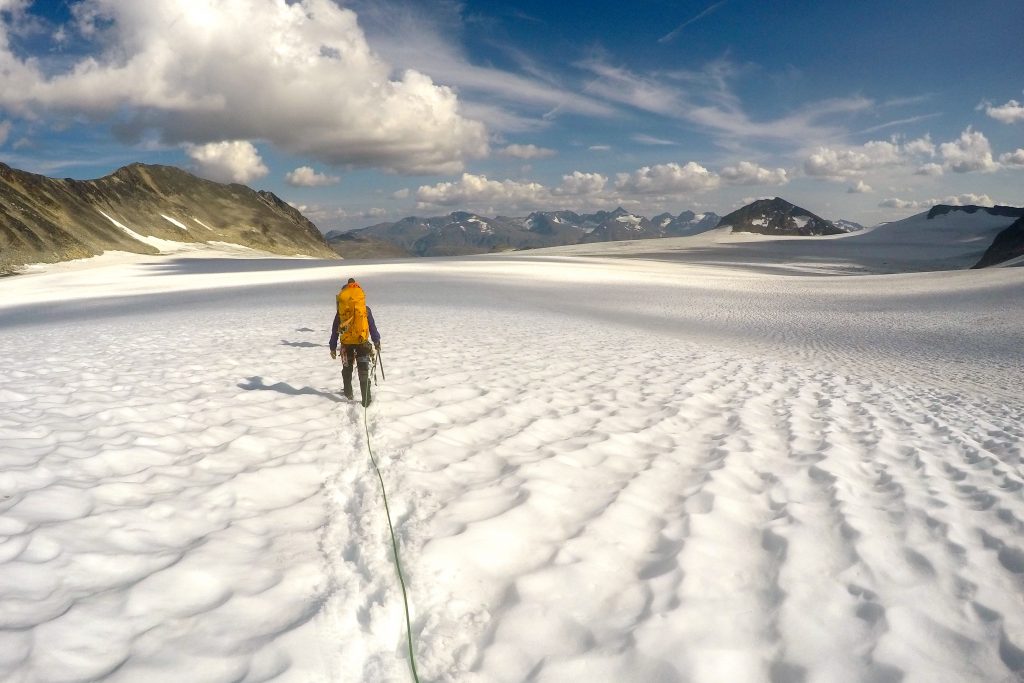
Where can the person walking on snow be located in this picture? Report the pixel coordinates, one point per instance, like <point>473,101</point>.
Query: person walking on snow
<point>354,327</point>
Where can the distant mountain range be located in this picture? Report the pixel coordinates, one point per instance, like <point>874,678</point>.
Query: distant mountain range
<point>45,220</point>
<point>469,233</point>
<point>152,209</point>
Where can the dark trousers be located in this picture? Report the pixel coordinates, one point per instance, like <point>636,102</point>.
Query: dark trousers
<point>360,355</point>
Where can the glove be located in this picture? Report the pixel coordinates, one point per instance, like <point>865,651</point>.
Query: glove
<point>376,345</point>
<point>334,354</point>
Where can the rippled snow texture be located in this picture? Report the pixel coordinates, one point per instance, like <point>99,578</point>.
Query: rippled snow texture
<point>598,471</point>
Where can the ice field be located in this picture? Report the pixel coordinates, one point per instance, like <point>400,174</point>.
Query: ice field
<point>600,469</point>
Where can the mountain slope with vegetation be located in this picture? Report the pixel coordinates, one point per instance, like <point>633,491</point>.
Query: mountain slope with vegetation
<point>140,208</point>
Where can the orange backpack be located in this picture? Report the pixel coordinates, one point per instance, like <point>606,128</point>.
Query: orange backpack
<point>353,325</point>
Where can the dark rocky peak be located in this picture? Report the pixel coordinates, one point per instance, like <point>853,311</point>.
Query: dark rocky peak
<point>662,219</point>
<point>602,216</point>
<point>1008,244</point>
<point>777,216</point>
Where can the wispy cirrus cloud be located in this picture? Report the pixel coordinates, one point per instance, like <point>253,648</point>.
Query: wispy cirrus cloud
<point>644,139</point>
<point>427,39</point>
<point>706,99</point>
<point>678,29</point>
<point>620,85</point>
<point>899,122</point>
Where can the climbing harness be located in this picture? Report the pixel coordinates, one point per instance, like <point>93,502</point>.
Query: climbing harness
<point>391,528</point>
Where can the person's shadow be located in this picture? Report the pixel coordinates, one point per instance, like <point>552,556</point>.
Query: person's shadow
<point>300,344</point>
<point>257,384</point>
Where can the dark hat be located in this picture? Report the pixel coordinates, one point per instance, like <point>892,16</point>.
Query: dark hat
<point>351,280</point>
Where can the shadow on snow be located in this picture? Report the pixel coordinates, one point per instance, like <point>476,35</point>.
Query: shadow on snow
<point>257,384</point>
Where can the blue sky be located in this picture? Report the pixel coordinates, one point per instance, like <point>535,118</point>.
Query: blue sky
<point>377,109</point>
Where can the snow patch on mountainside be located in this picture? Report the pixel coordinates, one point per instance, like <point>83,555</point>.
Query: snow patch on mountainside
<point>165,246</point>
<point>174,221</point>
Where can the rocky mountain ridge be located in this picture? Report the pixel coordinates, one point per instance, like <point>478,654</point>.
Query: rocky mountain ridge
<point>1008,243</point>
<point>140,208</point>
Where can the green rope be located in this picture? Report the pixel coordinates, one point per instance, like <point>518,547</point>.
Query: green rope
<point>394,547</point>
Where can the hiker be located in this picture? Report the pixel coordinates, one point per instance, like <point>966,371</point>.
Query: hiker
<point>353,326</point>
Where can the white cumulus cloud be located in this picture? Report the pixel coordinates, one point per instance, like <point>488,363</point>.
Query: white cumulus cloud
<point>229,161</point>
<point>297,75</point>
<point>1011,112</point>
<point>970,152</point>
<point>1015,158</point>
<point>920,147</point>
<point>667,179</point>
<point>929,169</point>
<point>473,189</point>
<point>527,152</point>
<point>748,173</point>
<point>860,187</point>
<point>305,176</point>
<point>846,162</point>
<point>952,200</point>
<point>578,183</point>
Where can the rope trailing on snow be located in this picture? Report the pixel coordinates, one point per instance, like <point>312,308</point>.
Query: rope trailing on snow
<point>394,544</point>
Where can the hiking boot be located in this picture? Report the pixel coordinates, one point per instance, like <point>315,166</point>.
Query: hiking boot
<point>348,394</point>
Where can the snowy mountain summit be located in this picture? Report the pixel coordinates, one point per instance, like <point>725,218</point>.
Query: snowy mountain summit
<point>778,217</point>
<point>461,232</point>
